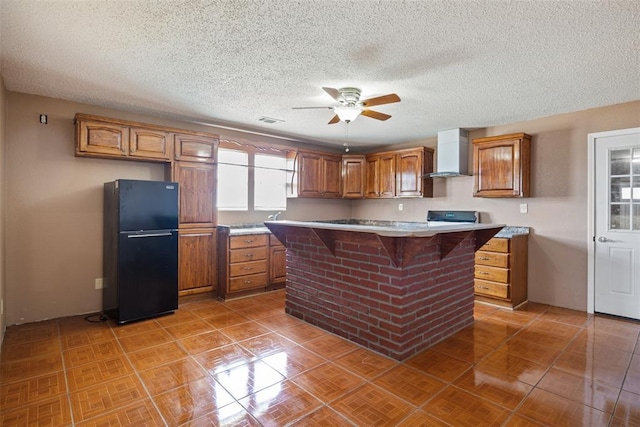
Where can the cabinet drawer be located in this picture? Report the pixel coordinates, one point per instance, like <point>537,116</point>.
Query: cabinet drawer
<point>248,282</point>
<point>246,255</point>
<point>248,241</point>
<point>491,289</point>
<point>244,268</point>
<point>494,259</point>
<point>492,273</point>
<point>496,244</point>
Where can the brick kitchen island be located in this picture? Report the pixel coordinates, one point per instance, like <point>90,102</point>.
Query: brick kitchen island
<point>396,288</point>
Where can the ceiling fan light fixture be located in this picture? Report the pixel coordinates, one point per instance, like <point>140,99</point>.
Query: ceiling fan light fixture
<point>348,113</point>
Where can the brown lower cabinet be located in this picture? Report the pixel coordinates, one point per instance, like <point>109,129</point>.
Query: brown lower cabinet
<point>249,263</point>
<point>501,271</point>
<point>196,261</point>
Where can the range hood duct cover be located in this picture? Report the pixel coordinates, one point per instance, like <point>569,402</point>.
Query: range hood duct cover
<point>452,154</point>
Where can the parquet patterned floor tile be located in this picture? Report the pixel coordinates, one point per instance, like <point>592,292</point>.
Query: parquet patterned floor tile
<point>98,372</point>
<point>552,410</point>
<point>285,401</point>
<point>504,392</point>
<point>323,417</point>
<point>370,405</point>
<point>293,361</point>
<point>458,407</point>
<point>247,363</point>
<point>140,413</point>
<point>439,365</point>
<point>105,397</point>
<point>20,393</point>
<point>192,400</point>
<point>366,363</point>
<point>328,381</point>
<point>410,384</point>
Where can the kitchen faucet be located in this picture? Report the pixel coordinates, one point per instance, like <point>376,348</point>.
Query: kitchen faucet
<point>275,216</point>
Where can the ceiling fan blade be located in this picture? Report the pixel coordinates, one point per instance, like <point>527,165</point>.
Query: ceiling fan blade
<point>308,108</point>
<point>334,120</point>
<point>335,93</point>
<point>385,99</point>
<point>375,115</point>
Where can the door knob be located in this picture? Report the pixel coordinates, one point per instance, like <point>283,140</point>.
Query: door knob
<point>604,239</point>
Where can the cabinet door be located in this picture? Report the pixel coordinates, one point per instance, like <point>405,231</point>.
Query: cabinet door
<point>196,255</point>
<point>372,177</point>
<point>501,166</point>
<point>331,176</point>
<point>387,176</point>
<point>195,148</point>
<point>409,173</point>
<point>149,144</point>
<point>353,177</point>
<point>277,264</point>
<point>197,194</point>
<point>105,139</point>
<point>310,174</point>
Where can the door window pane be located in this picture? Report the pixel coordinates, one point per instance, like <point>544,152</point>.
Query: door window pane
<point>620,189</point>
<point>636,161</point>
<point>233,180</point>
<point>636,188</point>
<point>620,162</point>
<point>620,217</point>
<point>636,216</point>
<point>270,187</point>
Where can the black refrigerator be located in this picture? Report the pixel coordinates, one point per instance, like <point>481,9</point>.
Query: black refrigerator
<point>140,258</point>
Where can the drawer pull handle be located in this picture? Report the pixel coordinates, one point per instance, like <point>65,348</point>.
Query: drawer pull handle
<point>483,272</point>
<point>247,268</point>
<point>483,287</point>
<point>249,241</point>
<point>484,258</point>
<point>248,255</point>
<point>248,282</point>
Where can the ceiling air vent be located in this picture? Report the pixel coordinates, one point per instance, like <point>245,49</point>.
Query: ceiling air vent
<point>269,120</point>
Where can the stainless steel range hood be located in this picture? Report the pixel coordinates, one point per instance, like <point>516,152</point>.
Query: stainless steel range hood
<point>452,154</point>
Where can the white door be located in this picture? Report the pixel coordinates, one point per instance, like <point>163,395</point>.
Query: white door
<point>617,224</point>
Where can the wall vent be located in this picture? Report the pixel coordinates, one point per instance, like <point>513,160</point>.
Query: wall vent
<point>270,120</point>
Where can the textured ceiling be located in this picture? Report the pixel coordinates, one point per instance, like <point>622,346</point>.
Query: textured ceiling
<point>453,63</point>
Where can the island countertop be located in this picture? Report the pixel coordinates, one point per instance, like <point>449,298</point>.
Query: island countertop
<point>386,228</point>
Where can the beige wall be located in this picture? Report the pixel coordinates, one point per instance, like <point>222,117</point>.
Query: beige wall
<point>54,207</point>
<point>3,180</point>
<point>557,208</point>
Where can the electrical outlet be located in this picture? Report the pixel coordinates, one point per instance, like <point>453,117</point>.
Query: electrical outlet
<point>99,283</point>
<point>524,208</point>
<point>400,206</point>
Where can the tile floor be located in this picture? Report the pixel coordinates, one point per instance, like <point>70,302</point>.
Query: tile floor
<point>245,362</point>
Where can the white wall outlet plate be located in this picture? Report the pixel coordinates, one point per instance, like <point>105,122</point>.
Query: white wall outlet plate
<point>524,208</point>
<point>400,206</point>
<point>99,283</point>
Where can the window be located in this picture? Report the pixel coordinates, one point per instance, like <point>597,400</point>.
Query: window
<point>233,180</point>
<point>250,178</point>
<point>270,183</point>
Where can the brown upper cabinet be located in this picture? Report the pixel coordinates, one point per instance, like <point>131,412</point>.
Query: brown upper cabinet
<point>150,144</point>
<point>195,148</point>
<point>319,175</point>
<point>120,139</point>
<point>381,176</point>
<point>501,166</point>
<point>353,176</point>
<point>399,173</point>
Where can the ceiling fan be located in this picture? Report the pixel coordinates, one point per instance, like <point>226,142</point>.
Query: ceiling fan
<point>350,106</point>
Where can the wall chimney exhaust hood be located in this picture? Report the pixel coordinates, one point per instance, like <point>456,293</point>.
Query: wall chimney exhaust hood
<point>452,154</point>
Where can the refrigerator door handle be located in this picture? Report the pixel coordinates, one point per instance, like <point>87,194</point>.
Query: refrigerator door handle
<point>136,236</point>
